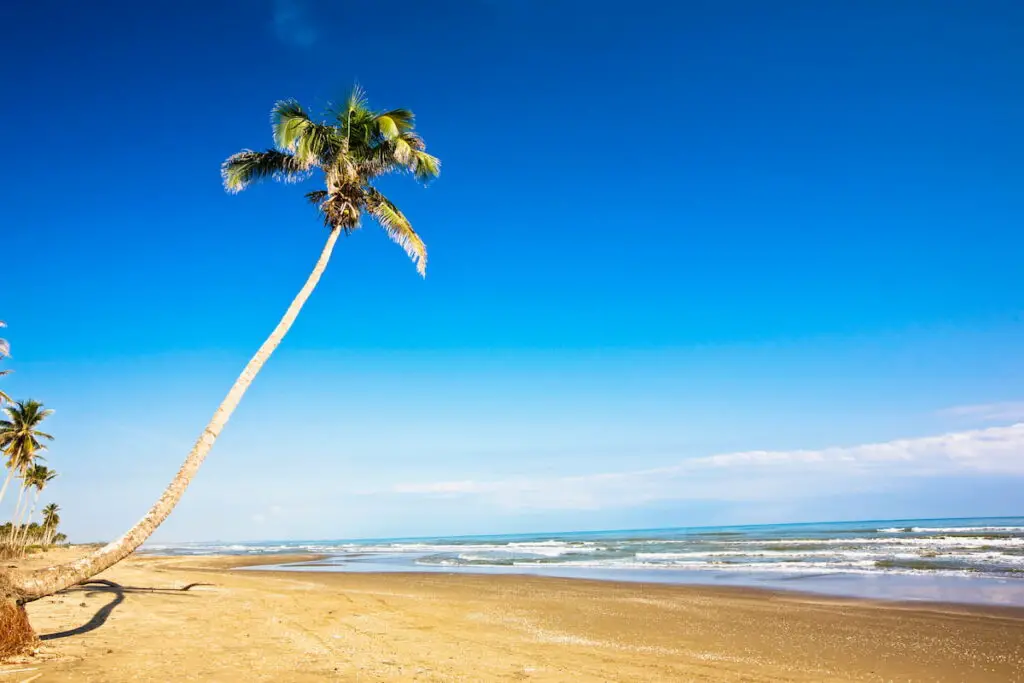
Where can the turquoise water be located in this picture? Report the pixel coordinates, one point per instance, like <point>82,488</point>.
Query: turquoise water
<point>969,560</point>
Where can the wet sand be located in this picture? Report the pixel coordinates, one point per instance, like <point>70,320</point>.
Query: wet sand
<point>258,625</point>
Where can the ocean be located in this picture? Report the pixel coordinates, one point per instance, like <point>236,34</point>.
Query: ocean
<point>978,560</point>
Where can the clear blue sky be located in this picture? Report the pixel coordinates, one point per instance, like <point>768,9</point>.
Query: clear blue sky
<point>663,232</point>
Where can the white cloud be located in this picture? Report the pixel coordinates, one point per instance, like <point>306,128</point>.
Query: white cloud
<point>756,475</point>
<point>994,412</point>
<point>271,513</point>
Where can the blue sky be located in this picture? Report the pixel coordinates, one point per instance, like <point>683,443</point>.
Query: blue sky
<point>690,263</point>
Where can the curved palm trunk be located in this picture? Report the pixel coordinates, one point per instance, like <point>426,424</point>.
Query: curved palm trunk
<point>16,519</point>
<point>7,481</point>
<point>23,542</point>
<point>26,586</point>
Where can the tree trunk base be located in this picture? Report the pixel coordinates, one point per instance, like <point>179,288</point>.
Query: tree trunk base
<point>16,634</point>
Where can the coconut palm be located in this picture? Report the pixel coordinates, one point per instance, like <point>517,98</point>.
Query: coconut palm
<point>51,520</point>
<point>37,477</point>
<point>30,478</point>
<point>350,151</point>
<point>5,351</point>
<point>19,438</point>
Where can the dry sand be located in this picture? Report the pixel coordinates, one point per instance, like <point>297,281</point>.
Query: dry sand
<point>283,627</point>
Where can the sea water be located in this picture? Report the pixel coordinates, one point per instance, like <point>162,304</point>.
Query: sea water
<point>977,560</point>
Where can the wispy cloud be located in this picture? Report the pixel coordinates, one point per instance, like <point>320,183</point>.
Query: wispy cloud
<point>274,511</point>
<point>293,23</point>
<point>755,475</point>
<point>988,412</point>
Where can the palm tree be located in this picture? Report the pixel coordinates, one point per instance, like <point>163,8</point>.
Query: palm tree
<point>51,520</point>
<point>5,351</point>
<point>37,477</point>
<point>19,437</point>
<point>28,480</point>
<point>351,150</point>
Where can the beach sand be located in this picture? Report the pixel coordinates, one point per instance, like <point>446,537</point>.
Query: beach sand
<point>277,626</point>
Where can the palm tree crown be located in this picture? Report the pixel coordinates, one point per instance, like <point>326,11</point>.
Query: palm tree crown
<point>20,434</point>
<point>51,518</point>
<point>38,476</point>
<point>351,149</point>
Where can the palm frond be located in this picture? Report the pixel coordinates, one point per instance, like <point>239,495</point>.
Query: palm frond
<point>403,152</point>
<point>403,118</point>
<point>242,169</point>
<point>289,121</point>
<point>392,155</point>
<point>354,102</point>
<point>4,398</point>
<point>426,166</point>
<point>387,127</point>
<point>378,161</point>
<point>317,145</point>
<point>398,228</point>
<point>414,140</point>
<point>316,197</point>
<point>357,100</point>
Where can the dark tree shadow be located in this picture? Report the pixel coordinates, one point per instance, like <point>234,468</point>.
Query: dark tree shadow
<point>103,613</point>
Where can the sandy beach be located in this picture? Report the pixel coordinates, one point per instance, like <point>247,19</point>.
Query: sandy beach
<point>256,625</point>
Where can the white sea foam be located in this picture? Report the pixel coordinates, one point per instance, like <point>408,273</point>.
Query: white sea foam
<point>755,554</point>
<point>852,567</point>
<point>952,529</point>
<point>928,542</point>
<point>990,549</point>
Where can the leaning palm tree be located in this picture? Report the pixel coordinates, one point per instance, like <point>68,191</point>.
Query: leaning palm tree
<point>28,481</point>
<point>37,477</point>
<point>350,150</point>
<point>19,437</point>
<point>51,520</point>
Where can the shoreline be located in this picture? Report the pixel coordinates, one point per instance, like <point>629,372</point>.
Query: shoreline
<point>912,589</point>
<point>267,625</point>
<point>725,591</point>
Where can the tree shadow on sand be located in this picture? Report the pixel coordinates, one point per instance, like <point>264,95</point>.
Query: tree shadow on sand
<point>91,589</point>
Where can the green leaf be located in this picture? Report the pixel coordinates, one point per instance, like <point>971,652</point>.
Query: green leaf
<point>289,122</point>
<point>427,167</point>
<point>388,127</point>
<point>246,167</point>
<point>316,197</point>
<point>398,228</point>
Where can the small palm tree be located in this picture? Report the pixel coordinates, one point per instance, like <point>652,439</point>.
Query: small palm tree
<point>5,351</point>
<point>51,520</point>
<point>19,437</point>
<point>350,150</point>
<point>37,477</point>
